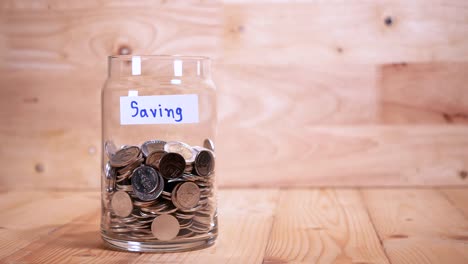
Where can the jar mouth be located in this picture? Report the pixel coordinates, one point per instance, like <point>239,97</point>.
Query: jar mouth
<point>159,57</point>
<point>174,67</point>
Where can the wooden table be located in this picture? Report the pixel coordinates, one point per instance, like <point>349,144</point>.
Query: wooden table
<point>372,225</point>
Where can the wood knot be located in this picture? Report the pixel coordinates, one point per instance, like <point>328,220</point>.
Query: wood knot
<point>459,237</point>
<point>39,167</point>
<point>31,100</point>
<point>388,21</point>
<point>124,50</point>
<point>399,64</point>
<point>463,174</point>
<point>398,236</point>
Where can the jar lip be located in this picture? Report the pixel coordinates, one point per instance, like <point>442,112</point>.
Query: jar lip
<point>161,56</point>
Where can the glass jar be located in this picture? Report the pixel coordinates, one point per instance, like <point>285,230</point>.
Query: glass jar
<point>158,127</point>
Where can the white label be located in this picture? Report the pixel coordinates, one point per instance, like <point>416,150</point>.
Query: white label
<point>159,109</point>
<point>136,65</point>
<point>178,68</point>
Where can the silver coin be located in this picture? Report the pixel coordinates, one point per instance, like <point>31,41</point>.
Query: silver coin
<point>109,171</point>
<point>204,163</point>
<point>209,144</point>
<point>145,179</point>
<point>181,148</point>
<point>152,195</point>
<point>110,148</point>
<point>153,145</point>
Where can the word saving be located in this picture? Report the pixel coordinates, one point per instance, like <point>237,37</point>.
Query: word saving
<point>176,114</point>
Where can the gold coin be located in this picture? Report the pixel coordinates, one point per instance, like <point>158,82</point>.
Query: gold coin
<point>165,227</point>
<point>187,195</point>
<point>121,204</point>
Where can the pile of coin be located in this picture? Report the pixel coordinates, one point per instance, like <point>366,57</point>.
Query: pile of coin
<point>159,191</point>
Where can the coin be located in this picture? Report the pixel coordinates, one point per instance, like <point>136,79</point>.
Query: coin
<point>180,174</point>
<point>156,209</point>
<point>143,203</point>
<point>146,196</point>
<point>131,166</point>
<point>172,165</point>
<point>126,188</point>
<point>186,195</point>
<point>188,168</point>
<point>185,223</point>
<point>109,171</point>
<point>109,148</point>
<point>124,220</point>
<point>209,144</point>
<point>204,163</point>
<point>125,156</point>
<point>154,158</point>
<point>184,215</point>
<point>121,204</point>
<point>159,189</point>
<point>145,179</point>
<point>185,233</point>
<point>125,176</point>
<point>153,145</point>
<point>181,148</point>
<point>154,194</point>
<point>110,177</point>
<point>165,227</point>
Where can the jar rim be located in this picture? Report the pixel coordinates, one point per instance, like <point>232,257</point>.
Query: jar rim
<point>161,56</point>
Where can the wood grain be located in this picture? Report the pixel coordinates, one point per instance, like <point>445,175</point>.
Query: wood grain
<point>322,226</point>
<point>424,93</point>
<point>246,217</point>
<point>316,148</point>
<point>458,197</point>
<point>281,32</point>
<point>256,226</point>
<point>418,226</point>
<point>56,37</point>
<point>311,93</point>
<point>345,156</point>
<point>30,216</point>
<point>288,95</point>
<point>53,115</point>
<point>47,140</point>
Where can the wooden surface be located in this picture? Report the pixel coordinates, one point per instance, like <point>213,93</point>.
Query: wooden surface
<point>271,226</point>
<point>311,93</point>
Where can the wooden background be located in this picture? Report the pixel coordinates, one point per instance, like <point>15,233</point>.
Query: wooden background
<point>311,93</point>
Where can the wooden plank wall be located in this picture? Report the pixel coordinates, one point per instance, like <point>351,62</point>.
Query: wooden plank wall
<point>334,93</point>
